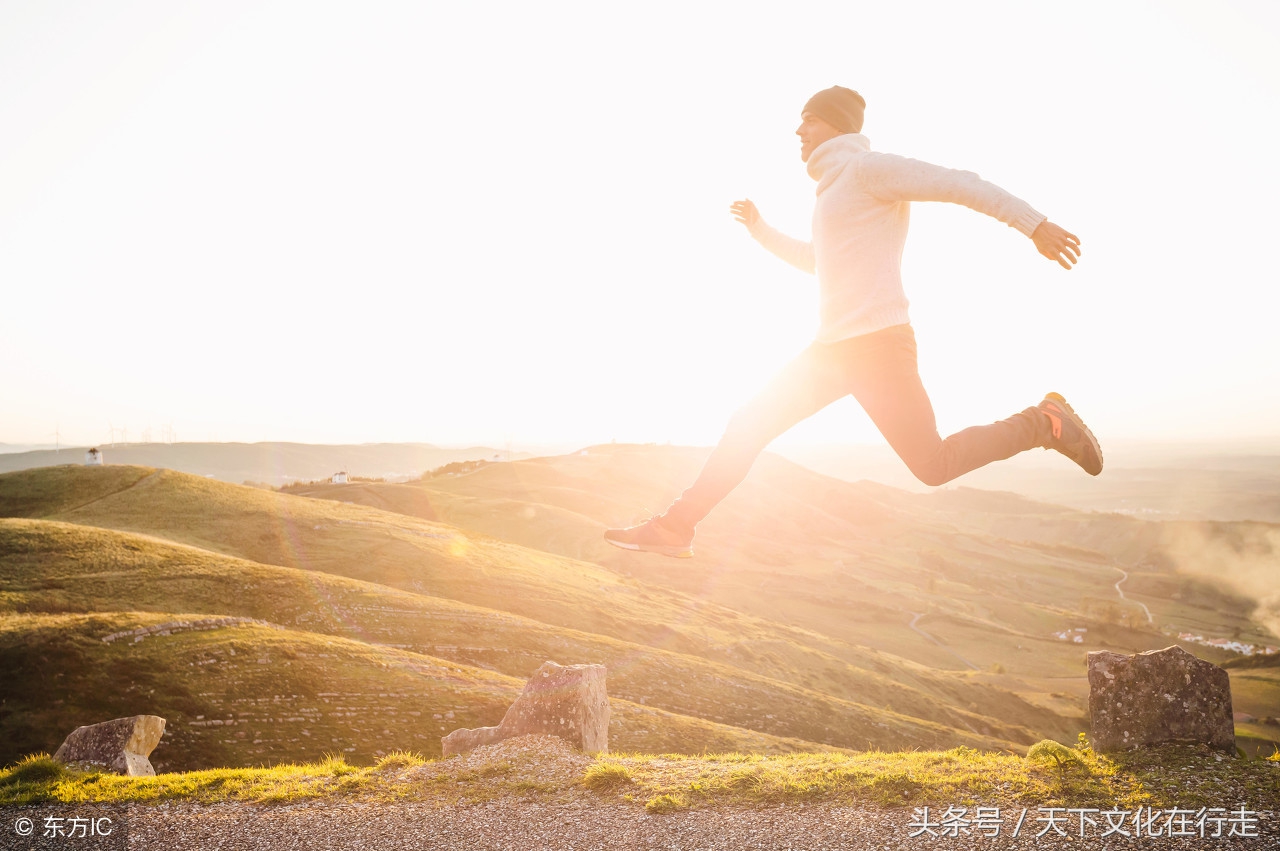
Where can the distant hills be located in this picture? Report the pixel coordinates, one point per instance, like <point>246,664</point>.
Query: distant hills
<point>373,616</point>
<point>21,447</point>
<point>266,463</point>
<point>1230,481</point>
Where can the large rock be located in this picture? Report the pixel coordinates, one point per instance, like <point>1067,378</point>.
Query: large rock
<point>1159,696</point>
<point>122,745</point>
<point>568,701</point>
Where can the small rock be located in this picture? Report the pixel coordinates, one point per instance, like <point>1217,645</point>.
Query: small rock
<point>121,746</point>
<point>568,701</point>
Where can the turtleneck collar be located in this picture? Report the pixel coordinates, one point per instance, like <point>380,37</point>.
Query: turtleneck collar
<point>833,152</point>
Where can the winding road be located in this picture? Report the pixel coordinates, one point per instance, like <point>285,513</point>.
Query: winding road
<point>1124,575</point>
<point>918,630</point>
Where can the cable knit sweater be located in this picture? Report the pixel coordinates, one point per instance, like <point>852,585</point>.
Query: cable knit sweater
<point>860,226</point>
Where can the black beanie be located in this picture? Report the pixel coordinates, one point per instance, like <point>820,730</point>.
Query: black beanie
<point>840,107</point>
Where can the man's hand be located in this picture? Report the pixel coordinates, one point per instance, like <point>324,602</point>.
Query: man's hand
<point>1055,243</point>
<point>745,211</point>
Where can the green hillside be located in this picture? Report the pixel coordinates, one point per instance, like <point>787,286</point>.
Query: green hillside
<point>57,567</point>
<point>987,579</point>
<point>442,561</point>
<point>238,695</point>
<point>255,694</point>
<point>802,549</point>
<point>818,614</point>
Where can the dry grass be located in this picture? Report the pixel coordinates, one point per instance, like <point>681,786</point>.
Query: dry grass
<point>38,779</point>
<point>1170,776</point>
<point>545,769</point>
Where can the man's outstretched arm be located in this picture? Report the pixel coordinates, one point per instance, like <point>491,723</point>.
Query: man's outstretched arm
<point>898,178</point>
<point>1056,243</point>
<point>795,251</point>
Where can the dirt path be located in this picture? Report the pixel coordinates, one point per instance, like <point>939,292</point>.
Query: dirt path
<point>147,478</point>
<point>927,636</point>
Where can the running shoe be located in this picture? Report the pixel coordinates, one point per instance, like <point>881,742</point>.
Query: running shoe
<point>652,536</point>
<point>1071,436</point>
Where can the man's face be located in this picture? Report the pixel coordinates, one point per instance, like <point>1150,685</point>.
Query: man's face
<point>813,131</point>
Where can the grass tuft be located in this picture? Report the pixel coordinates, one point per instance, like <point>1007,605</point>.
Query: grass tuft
<point>400,760</point>
<point>335,764</point>
<point>33,769</point>
<point>1056,753</point>
<point>659,804</point>
<point>606,776</point>
<point>893,788</point>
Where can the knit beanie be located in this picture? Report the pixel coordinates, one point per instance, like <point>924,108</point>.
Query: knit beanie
<point>840,107</point>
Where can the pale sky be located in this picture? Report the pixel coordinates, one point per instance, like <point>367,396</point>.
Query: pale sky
<point>508,222</point>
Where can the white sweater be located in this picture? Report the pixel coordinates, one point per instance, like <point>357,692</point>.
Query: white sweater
<point>860,226</point>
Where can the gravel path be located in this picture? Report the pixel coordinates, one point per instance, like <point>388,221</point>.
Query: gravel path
<point>580,826</point>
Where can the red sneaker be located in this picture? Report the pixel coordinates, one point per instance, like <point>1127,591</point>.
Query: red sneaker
<point>1071,436</point>
<point>652,536</point>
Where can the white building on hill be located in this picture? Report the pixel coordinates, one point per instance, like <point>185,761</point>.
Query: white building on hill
<point>93,458</point>
<point>1075,636</point>
<point>340,478</point>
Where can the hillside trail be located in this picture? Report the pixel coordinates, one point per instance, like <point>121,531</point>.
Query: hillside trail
<point>144,480</point>
<point>916,617</point>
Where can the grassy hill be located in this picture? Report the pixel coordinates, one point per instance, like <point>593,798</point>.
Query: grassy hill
<point>256,694</point>
<point>822,549</point>
<point>987,579</point>
<point>57,567</point>
<point>819,614</point>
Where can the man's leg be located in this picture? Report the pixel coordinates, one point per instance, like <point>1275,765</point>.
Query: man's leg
<point>886,381</point>
<point>810,382</point>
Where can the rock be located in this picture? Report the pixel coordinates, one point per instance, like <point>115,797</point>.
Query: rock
<point>1159,696</point>
<point>122,745</point>
<point>567,701</point>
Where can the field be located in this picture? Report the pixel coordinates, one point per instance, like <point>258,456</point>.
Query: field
<point>370,618</point>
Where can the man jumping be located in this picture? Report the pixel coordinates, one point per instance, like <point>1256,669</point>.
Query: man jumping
<point>865,346</point>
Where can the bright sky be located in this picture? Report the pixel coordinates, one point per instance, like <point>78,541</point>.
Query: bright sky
<point>508,222</point>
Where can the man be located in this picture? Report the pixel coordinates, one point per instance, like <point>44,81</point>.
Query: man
<point>865,346</point>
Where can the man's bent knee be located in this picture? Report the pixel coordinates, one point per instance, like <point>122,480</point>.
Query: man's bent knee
<point>932,474</point>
